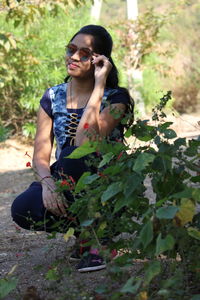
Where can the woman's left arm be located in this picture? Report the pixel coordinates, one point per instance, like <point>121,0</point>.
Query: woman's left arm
<point>99,124</point>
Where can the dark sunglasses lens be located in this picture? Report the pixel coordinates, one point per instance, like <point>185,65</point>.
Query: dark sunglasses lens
<point>70,50</point>
<point>84,54</point>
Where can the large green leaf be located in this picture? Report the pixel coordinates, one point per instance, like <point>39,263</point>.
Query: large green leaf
<point>169,134</point>
<point>131,184</point>
<point>186,193</point>
<point>87,223</point>
<point>129,287</point>
<point>145,138</point>
<point>167,212</point>
<point>128,133</point>
<point>90,179</point>
<point>164,126</point>
<point>111,191</point>
<point>193,232</point>
<point>106,159</point>
<point>146,234</point>
<point>112,170</point>
<point>6,286</point>
<point>80,185</point>
<point>142,161</point>
<point>153,269</point>
<point>119,204</point>
<point>83,150</point>
<point>165,244</point>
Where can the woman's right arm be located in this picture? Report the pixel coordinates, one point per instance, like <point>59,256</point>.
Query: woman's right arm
<point>43,144</point>
<point>41,163</point>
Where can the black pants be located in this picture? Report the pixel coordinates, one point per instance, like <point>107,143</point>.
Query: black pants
<point>28,210</point>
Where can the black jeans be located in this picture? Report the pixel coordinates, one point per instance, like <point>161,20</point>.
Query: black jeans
<point>28,210</point>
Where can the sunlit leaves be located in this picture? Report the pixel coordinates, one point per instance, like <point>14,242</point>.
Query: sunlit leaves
<point>169,134</point>
<point>27,12</point>
<point>68,234</point>
<point>29,130</point>
<point>52,274</point>
<point>186,212</point>
<point>85,149</point>
<point>143,131</point>
<point>142,295</point>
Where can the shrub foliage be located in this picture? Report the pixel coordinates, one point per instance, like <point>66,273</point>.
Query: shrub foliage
<point>32,55</point>
<point>161,230</point>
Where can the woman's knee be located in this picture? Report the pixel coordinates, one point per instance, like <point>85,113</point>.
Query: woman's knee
<point>27,208</point>
<point>18,214</point>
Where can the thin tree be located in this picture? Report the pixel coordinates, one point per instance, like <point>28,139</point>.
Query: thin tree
<point>135,72</point>
<point>96,10</point>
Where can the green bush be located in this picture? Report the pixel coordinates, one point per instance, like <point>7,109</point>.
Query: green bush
<point>151,87</point>
<point>32,60</point>
<point>4,133</point>
<point>162,233</point>
<point>177,46</point>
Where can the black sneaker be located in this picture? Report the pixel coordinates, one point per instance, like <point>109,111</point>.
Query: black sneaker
<point>78,253</point>
<point>75,256</point>
<point>91,262</point>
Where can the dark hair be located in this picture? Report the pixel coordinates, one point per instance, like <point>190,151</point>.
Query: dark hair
<point>103,44</point>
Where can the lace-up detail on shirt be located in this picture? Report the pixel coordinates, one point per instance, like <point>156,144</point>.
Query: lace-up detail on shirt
<point>71,126</point>
<point>65,120</point>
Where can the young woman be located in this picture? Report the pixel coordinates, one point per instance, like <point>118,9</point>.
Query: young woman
<point>65,111</point>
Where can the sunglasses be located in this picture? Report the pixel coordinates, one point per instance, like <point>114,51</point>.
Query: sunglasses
<point>84,53</point>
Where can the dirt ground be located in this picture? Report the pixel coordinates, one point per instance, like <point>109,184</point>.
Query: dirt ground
<point>29,255</point>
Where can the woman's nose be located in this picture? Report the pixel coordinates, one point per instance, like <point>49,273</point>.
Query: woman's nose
<point>76,55</point>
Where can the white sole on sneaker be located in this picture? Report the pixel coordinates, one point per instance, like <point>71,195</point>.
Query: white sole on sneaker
<point>73,259</point>
<point>90,269</point>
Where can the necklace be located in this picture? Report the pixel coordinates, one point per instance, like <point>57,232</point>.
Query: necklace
<point>70,96</point>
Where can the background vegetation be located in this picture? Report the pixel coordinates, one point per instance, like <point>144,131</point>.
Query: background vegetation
<point>163,44</point>
<point>168,43</point>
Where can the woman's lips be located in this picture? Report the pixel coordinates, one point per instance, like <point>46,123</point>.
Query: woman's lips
<point>72,66</point>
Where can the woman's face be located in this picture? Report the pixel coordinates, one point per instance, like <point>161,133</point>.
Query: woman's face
<point>79,56</point>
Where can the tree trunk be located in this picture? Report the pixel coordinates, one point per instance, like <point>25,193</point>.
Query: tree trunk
<point>96,10</point>
<point>132,9</point>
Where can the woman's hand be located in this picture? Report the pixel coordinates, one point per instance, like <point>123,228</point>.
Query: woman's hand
<point>102,68</point>
<point>52,201</point>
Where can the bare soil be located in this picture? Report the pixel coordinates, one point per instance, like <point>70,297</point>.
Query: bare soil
<point>30,255</point>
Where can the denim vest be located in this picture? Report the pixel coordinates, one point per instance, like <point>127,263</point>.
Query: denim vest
<point>61,115</point>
